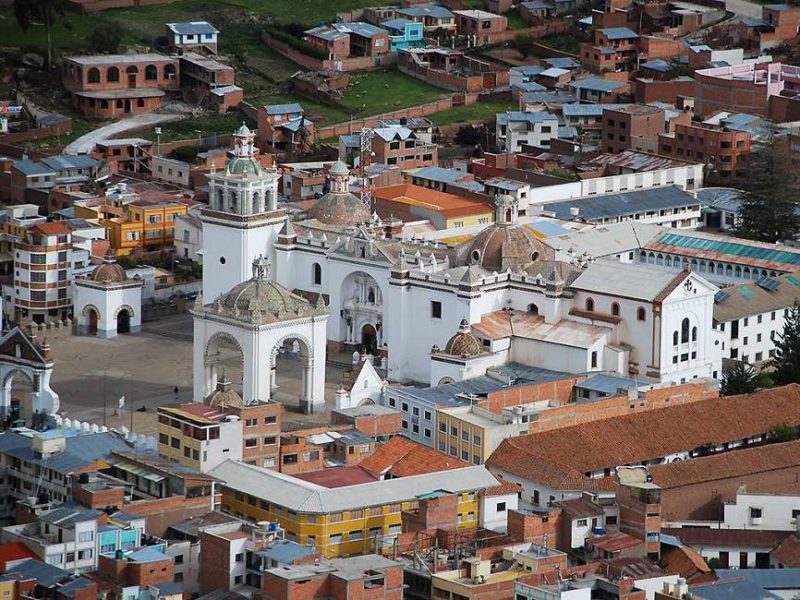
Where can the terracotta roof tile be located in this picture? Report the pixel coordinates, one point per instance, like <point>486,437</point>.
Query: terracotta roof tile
<point>505,487</point>
<point>580,508</point>
<point>400,457</point>
<point>788,552</point>
<point>736,463</point>
<point>615,542</point>
<point>687,563</point>
<point>447,204</point>
<point>52,228</point>
<point>649,435</point>
<point>703,536</point>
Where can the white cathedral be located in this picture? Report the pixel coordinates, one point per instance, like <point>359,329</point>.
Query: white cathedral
<point>342,279</point>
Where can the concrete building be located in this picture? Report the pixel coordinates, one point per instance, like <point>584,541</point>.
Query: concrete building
<point>518,129</point>
<point>479,25</point>
<point>194,36</point>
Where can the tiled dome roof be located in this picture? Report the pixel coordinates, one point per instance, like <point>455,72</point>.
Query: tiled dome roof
<point>224,396</point>
<point>464,343</point>
<point>109,272</point>
<point>500,247</point>
<point>340,208</point>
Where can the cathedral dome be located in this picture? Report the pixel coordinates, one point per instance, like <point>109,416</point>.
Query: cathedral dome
<point>500,247</point>
<point>339,169</point>
<point>340,208</point>
<point>244,166</point>
<point>261,300</point>
<point>109,271</point>
<point>464,343</point>
<point>224,396</point>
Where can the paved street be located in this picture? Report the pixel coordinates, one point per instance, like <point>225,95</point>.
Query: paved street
<point>86,143</point>
<point>145,368</point>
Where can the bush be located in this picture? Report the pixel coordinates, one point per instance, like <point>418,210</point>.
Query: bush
<point>298,44</point>
<point>106,38</point>
<point>524,44</point>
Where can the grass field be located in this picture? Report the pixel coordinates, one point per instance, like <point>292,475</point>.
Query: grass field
<point>205,125</point>
<point>566,43</point>
<point>473,113</point>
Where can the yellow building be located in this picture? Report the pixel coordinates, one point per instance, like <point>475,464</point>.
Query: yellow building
<point>444,211</point>
<point>472,433</point>
<point>146,226</point>
<point>350,518</point>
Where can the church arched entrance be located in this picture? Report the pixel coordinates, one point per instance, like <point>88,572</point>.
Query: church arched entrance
<point>369,339</point>
<point>292,373</point>
<point>93,318</point>
<point>223,353</point>
<point>362,312</point>
<point>18,392</point>
<point>124,321</point>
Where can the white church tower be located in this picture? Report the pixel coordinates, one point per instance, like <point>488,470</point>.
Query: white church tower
<point>242,220</point>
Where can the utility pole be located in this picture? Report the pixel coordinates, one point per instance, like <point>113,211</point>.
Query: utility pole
<point>105,395</point>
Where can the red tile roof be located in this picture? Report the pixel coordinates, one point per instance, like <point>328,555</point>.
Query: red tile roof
<point>687,563</point>
<point>788,552</point>
<point>615,542</point>
<point>732,464</point>
<point>568,452</point>
<point>13,551</point>
<point>704,536</point>
<point>400,457</point>
<point>52,228</point>
<point>337,477</point>
<point>580,508</point>
<point>505,487</point>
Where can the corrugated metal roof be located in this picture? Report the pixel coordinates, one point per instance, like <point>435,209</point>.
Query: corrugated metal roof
<point>286,551</point>
<point>623,203</point>
<point>192,28</point>
<point>302,496</point>
<point>634,281</point>
<point>619,33</point>
<point>718,247</point>
<point>78,161</point>
<point>28,167</point>
<point>282,109</point>
<point>598,84</point>
<point>439,12</point>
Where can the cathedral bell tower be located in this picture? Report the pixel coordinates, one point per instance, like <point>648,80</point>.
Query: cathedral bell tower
<point>242,220</point>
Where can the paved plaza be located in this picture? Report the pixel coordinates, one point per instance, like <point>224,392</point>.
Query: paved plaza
<point>146,368</point>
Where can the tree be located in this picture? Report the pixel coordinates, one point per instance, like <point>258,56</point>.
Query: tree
<point>786,362</point>
<point>29,12</point>
<point>106,38</point>
<point>524,44</point>
<point>769,204</point>
<point>468,135</point>
<point>742,379</point>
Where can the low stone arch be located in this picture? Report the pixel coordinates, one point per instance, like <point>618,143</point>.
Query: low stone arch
<point>211,358</point>
<point>445,381</point>
<point>307,367</point>
<point>91,307</point>
<point>124,307</point>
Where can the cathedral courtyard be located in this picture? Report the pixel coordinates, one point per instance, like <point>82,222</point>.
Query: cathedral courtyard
<point>146,368</point>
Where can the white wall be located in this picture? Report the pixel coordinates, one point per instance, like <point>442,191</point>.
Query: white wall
<point>776,512</point>
<point>491,517</point>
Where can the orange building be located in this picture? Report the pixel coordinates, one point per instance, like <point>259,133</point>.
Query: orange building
<point>143,226</point>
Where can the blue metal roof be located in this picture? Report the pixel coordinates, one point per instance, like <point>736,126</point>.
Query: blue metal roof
<point>359,28</point>
<point>44,574</point>
<point>771,579</point>
<point>192,28</point>
<point>562,62</point>
<point>526,117</point>
<point>397,24</point>
<point>283,109</point>
<point>549,228</point>
<point>619,33</point>
<point>740,589</point>
<point>536,5</point>
<point>79,161</point>
<point>659,65</point>
<point>439,174</point>
<point>286,552</point>
<point>598,84</point>
<point>607,384</point>
<point>29,167</point>
<point>624,203</point>
<point>729,247</point>
<point>439,12</point>
<point>146,554</point>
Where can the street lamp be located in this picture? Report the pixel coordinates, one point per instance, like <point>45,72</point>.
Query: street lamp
<point>158,141</point>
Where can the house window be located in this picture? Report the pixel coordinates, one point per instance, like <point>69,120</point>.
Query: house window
<point>594,360</point>
<point>317,274</point>
<point>615,309</point>
<point>501,507</point>
<point>581,522</point>
<point>436,309</point>
<point>641,314</point>
<point>590,304</point>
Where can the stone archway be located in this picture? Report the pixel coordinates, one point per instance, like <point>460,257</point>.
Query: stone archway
<point>90,315</point>
<point>222,351</point>
<point>18,398</point>
<point>369,339</point>
<point>123,316</point>
<point>20,357</point>
<point>299,350</point>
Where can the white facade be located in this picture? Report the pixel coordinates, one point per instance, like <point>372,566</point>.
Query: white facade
<point>767,512</point>
<point>494,511</point>
<point>188,238</point>
<point>515,130</point>
<point>107,308</point>
<point>367,387</point>
<point>242,220</point>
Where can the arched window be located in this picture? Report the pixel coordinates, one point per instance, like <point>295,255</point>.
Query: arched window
<point>132,70</point>
<point>675,338</point>
<point>738,271</point>
<point>256,202</point>
<point>659,259</point>
<point>728,270</point>
<point>533,309</point>
<point>94,75</point>
<point>112,74</point>
<point>652,258</point>
<point>371,296</point>
<point>668,261</point>
<point>590,304</point>
<point>747,272</point>
<point>643,256</point>
<point>685,331</point>
<point>232,201</point>
<point>150,73</point>
<point>694,334</point>
<point>316,274</point>
<point>641,314</point>
<point>615,309</point>
<point>169,71</point>
<point>220,199</point>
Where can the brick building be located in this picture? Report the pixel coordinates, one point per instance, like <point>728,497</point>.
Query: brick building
<point>115,85</point>
<point>283,126</point>
<point>479,25</point>
<point>376,421</point>
<point>725,151</point>
<point>400,146</point>
<point>367,577</point>
<point>613,50</point>
<point>346,40</point>
<point>632,127</point>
